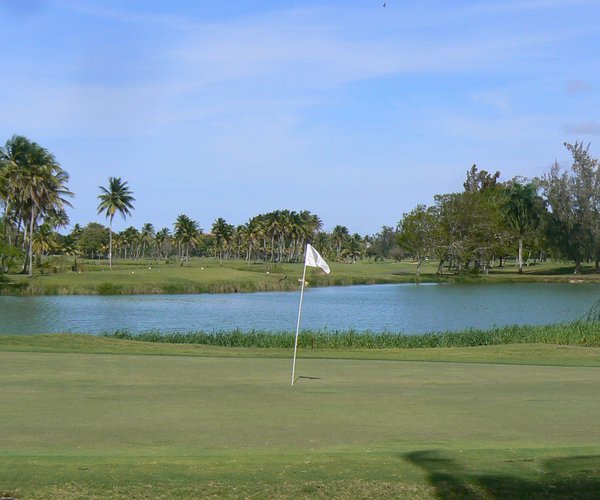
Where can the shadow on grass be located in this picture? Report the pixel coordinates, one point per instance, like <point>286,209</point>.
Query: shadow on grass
<point>564,270</point>
<point>569,477</point>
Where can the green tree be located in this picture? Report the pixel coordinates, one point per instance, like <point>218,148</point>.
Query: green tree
<point>223,234</point>
<point>187,234</point>
<point>354,247</point>
<point>382,243</point>
<point>44,239</point>
<point>162,238</point>
<point>523,211</point>
<point>129,242</point>
<point>417,233</point>
<point>339,235</point>
<point>573,198</point>
<point>13,161</point>
<point>93,238</point>
<point>117,197</point>
<point>33,186</point>
<point>471,228</point>
<point>480,180</point>
<point>252,233</point>
<point>147,235</point>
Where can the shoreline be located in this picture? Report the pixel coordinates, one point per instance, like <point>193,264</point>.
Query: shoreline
<point>208,276</point>
<point>33,289</point>
<point>576,334</point>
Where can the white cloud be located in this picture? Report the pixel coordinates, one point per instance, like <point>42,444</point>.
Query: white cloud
<point>121,15</point>
<point>499,100</point>
<point>302,55</point>
<point>583,128</point>
<point>578,86</point>
<point>78,109</point>
<point>217,71</point>
<point>528,5</point>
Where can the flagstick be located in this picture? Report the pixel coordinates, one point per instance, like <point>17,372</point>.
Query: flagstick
<point>298,324</point>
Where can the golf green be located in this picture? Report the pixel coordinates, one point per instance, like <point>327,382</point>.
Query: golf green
<point>81,425</point>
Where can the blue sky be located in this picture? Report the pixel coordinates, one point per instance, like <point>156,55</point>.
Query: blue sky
<point>352,110</point>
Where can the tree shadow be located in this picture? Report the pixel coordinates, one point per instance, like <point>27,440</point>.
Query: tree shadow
<point>568,477</point>
<point>563,270</point>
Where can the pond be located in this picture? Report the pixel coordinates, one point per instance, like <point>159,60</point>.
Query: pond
<point>407,308</point>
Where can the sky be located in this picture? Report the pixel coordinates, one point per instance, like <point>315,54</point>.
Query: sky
<point>352,110</point>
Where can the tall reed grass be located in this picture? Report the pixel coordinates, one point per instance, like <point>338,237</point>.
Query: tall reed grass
<point>579,333</point>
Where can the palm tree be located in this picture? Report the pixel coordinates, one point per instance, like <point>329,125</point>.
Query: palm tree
<point>354,247</point>
<point>147,236</point>
<point>322,242</point>
<point>187,235</point>
<point>162,237</point>
<point>116,198</point>
<point>13,160</point>
<point>44,240</point>
<point>251,233</point>
<point>70,248</point>
<point>273,228</point>
<point>339,236</point>
<point>42,188</point>
<point>522,212</point>
<point>223,234</point>
<point>130,239</point>
<point>57,218</point>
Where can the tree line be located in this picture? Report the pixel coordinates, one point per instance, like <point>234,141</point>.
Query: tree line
<point>556,215</point>
<point>277,236</point>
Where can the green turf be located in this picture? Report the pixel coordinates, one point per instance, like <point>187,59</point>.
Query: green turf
<point>202,275</point>
<point>198,276</point>
<point>195,421</point>
<point>534,354</point>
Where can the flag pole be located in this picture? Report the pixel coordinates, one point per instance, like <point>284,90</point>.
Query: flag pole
<point>298,323</point>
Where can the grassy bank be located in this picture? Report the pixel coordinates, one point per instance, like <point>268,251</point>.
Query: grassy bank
<point>190,423</point>
<point>197,276</point>
<point>532,354</point>
<point>209,276</point>
<point>579,333</point>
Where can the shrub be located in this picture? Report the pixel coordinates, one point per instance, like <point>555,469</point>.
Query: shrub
<point>109,289</point>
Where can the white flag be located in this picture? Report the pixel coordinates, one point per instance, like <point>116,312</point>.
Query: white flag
<point>314,259</point>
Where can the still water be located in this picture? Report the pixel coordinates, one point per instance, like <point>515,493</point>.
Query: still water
<point>404,308</point>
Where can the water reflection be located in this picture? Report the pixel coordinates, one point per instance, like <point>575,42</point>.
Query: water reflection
<point>408,308</point>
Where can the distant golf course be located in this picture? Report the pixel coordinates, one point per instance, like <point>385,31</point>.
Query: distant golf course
<point>207,275</point>
<point>94,417</point>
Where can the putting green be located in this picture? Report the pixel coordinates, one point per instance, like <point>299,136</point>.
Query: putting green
<point>81,425</point>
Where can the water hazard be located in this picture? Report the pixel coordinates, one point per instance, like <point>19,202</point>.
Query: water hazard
<point>404,308</point>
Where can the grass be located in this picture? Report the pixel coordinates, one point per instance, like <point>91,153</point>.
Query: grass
<point>198,276</point>
<point>92,417</point>
<point>580,333</point>
<point>209,276</point>
<point>537,354</point>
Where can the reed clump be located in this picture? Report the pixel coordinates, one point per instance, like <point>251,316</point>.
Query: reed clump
<point>579,333</point>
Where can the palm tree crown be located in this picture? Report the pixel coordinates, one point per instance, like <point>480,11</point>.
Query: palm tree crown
<point>116,198</point>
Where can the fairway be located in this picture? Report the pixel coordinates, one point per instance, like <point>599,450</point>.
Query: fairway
<point>81,425</point>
